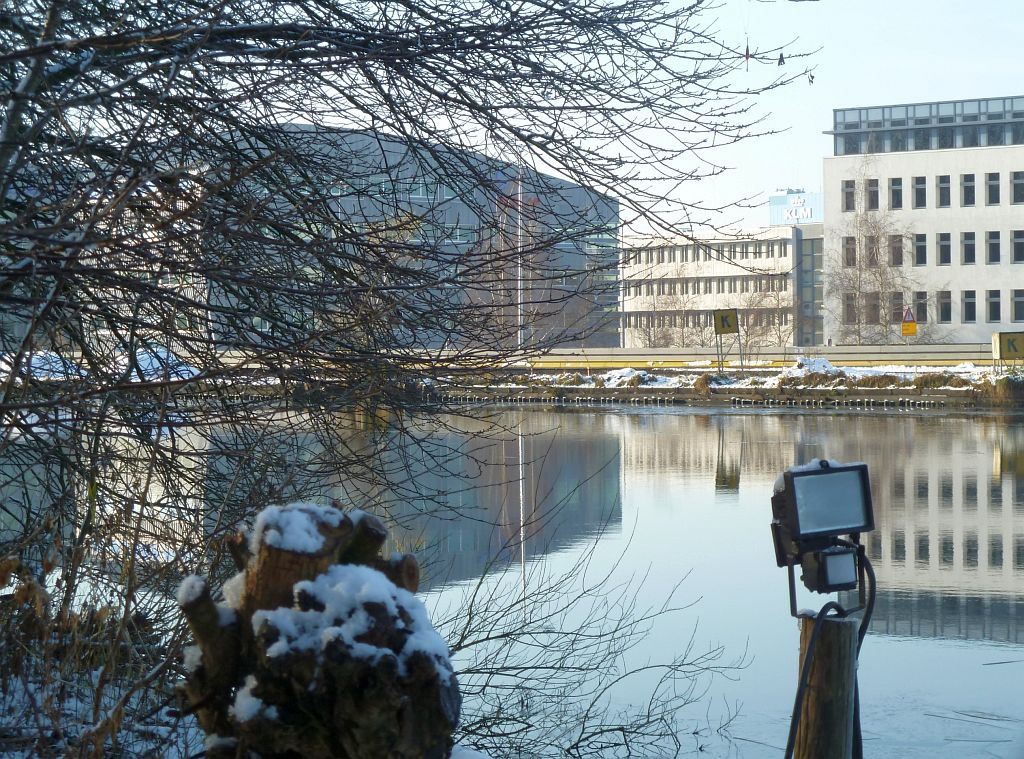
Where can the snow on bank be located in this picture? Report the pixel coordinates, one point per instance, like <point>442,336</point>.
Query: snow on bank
<point>758,376</point>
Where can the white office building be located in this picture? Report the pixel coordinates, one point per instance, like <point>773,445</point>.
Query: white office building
<point>670,287</point>
<point>924,209</point>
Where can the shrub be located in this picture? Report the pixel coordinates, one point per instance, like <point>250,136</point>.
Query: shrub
<point>939,379</point>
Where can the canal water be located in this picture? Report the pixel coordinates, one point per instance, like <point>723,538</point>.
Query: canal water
<point>677,501</point>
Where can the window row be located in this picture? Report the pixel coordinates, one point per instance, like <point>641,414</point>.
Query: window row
<point>707,285</point>
<point>763,317</point>
<point>857,142</point>
<point>923,542</point>
<point>923,247</point>
<point>732,251</point>
<point>874,307</point>
<point>971,191</point>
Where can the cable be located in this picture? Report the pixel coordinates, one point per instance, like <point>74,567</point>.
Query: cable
<point>805,672</point>
<point>869,608</point>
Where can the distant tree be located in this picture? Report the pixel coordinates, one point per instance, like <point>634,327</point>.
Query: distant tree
<point>871,282</point>
<point>229,277</point>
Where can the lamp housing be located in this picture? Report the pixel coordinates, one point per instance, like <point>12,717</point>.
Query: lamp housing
<point>830,569</point>
<point>824,502</point>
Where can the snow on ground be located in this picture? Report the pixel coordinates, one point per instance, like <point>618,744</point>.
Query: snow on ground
<point>757,375</point>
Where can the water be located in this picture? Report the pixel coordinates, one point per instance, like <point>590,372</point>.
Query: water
<point>686,497</point>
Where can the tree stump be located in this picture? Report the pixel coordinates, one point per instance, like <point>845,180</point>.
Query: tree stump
<point>319,649</point>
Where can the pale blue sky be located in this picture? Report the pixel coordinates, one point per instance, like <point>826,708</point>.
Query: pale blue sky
<point>873,52</point>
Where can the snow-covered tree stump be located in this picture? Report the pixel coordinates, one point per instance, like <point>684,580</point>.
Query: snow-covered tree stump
<point>320,648</point>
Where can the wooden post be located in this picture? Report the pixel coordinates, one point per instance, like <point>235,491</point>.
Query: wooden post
<point>826,720</point>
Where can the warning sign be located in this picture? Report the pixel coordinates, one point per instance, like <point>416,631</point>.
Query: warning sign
<point>727,321</point>
<point>909,326</point>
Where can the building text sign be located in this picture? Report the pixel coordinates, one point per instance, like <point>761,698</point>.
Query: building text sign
<point>1008,346</point>
<point>727,321</point>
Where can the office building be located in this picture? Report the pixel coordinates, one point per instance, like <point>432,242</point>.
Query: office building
<point>924,210</point>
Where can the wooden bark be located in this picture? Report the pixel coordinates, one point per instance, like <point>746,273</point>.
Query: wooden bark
<point>330,703</point>
<point>826,721</point>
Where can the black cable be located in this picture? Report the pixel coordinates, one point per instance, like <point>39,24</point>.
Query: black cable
<point>869,608</point>
<point>805,672</point>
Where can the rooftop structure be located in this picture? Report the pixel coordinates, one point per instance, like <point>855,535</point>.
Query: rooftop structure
<point>939,125</point>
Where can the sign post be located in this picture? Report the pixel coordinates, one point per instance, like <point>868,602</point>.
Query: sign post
<point>909,326</point>
<point>727,322</point>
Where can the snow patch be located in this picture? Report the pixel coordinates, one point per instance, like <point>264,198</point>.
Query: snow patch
<point>807,365</point>
<point>219,741</point>
<point>191,588</point>
<point>342,591</point>
<point>294,527</point>
<point>192,658</point>
<point>247,706</point>
<point>233,590</point>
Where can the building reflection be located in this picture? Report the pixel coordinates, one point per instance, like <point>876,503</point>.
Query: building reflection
<point>948,547</point>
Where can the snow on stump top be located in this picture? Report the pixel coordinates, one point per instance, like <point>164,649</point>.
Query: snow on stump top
<point>320,648</point>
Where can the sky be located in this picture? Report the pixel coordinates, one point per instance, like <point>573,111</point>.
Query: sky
<point>872,52</point>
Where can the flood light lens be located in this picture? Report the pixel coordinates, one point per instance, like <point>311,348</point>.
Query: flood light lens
<point>840,568</point>
<point>831,503</point>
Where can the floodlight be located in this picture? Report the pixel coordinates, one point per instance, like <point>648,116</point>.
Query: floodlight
<point>814,506</point>
<point>827,501</point>
<point>831,569</point>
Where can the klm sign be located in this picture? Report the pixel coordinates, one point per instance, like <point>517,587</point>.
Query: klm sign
<point>796,208</point>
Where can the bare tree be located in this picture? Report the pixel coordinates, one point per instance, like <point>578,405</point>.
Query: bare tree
<point>872,282</point>
<point>241,241</point>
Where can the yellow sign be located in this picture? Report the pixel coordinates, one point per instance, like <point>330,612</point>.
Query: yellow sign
<point>727,321</point>
<point>909,326</point>
<point>1007,345</point>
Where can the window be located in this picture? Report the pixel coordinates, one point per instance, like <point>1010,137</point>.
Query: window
<point>995,134</point>
<point>992,247</point>
<point>944,304</point>
<point>920,250</point>
<point>1018,246</point>
<point>992,189</point>
<point>871,249</point>
<point>967,189</point>
<point>872,308</point>
<point>968,307</point>
<point>945,248</point>
<point>970,136</point>
<point>1018,306</point>
<point>895,307</point>
<point>871,194</point>
<point>849,308</point>
<point>421,189</point>
<point>895,250</point>
<point>1018,186</point>
<point>920,192</point>
<point>849,251</point>
<point>849,201</point>
<point>992,305</point>
<point>921,306</point>
<point>967,247</point>
<point>942,190</point>
<point>896,193</point>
